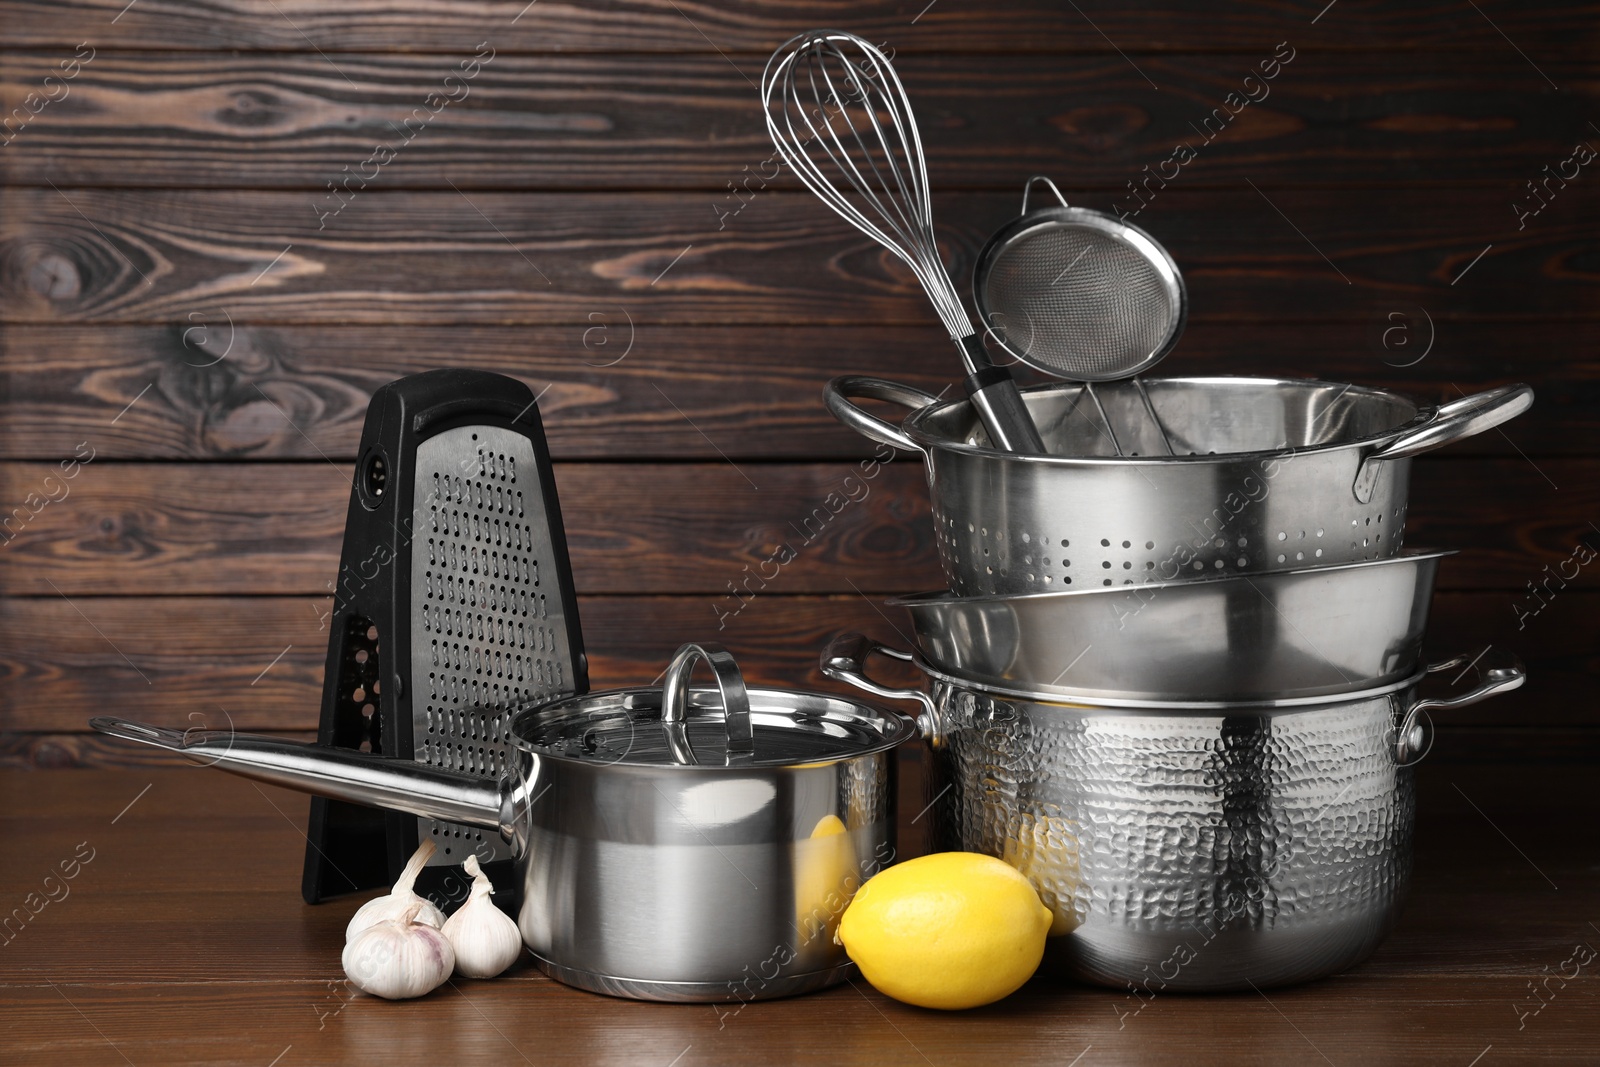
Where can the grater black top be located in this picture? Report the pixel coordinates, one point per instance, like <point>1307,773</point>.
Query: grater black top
<point>454,604</point>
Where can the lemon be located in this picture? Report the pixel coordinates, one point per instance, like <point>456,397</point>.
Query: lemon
<point>952,930</point>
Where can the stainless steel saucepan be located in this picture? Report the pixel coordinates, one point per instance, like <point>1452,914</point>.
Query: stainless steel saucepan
<point>1181,848</point>
<point>1286,636</point>
<point>1272,474</point>
<point>688,844</point>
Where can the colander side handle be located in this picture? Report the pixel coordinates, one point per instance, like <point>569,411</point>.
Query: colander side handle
<point>359,777</point>
<point>844,660</point>
<point>1454,421</point>
<point>838,393</point>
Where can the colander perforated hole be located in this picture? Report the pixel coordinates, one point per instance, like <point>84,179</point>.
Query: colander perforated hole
<point>1280,557</point>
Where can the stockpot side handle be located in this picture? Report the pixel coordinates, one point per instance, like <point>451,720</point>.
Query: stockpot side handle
<point>735,702</point>
<point>839,392</point>
<point>844,660</point>
<point>1502,675</point>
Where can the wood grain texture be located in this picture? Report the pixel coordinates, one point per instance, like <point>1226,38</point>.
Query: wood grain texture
<point>1562,26</point>
<point>711,528</point>
<point>179,283</point>
<point>611,121</point>
<point>198,389</point>
<point>128,964</point>
<point>257,661</point>
<point>89,255</point>
<point>631,528</point>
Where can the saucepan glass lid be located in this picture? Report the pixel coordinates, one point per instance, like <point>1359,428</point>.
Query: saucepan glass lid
<point>726,725</point>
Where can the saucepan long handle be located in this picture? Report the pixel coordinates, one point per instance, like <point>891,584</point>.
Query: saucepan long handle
<point>339,773</point>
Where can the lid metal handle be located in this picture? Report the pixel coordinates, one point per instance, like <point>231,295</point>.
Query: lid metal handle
<point>735,702</point>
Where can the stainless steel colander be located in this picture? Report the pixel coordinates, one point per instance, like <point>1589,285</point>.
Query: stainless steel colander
<point>1272,474</point>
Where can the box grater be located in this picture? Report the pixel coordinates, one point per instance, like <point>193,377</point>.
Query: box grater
<point>454,605</point>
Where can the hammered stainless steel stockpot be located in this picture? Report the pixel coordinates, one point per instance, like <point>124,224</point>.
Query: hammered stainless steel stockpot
<point>673,843</point>
<point>1281,474</point>
<point>1181,848</point>
<point>1286,636</point>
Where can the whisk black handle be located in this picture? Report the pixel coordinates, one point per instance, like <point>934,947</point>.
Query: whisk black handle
<point>999,405</point>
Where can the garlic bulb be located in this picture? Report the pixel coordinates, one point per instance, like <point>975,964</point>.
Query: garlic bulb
<point>399,899</point>
<point>484,937</point>
<point>399,958</point>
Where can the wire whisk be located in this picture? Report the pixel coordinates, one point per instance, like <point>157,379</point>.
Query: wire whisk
<point>841,120</point>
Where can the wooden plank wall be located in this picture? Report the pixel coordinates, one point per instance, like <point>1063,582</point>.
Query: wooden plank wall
<point>219,233</point>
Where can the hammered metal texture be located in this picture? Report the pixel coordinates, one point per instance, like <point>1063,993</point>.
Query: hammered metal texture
<point>487,632</point>
<point>1188,850</point>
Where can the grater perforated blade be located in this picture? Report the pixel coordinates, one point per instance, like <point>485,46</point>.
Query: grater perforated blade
<point>487,635</point>
<point>454,606</point>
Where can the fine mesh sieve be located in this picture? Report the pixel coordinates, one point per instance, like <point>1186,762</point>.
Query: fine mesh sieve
<point>1080,295</point>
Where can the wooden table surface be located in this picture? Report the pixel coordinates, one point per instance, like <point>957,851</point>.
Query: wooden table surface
<point>182,938</point>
